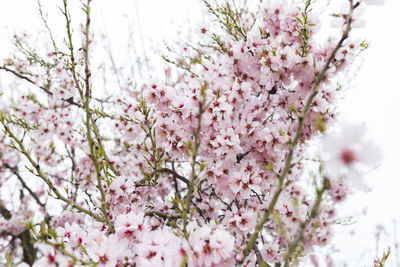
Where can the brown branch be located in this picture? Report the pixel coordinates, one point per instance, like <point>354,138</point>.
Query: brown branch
<point>163,215</point>
<point>46,90</point>
<point>175,174</point>
<point>14,170</point>
<point>4,211</point>
<point>28,250</point>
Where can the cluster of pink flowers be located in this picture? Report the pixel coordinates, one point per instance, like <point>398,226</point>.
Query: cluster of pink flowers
<point>183,174</point>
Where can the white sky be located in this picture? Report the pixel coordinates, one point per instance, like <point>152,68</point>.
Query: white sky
<point>374,98</point>
<point>375,101</point>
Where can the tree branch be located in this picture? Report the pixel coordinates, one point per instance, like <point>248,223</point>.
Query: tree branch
<point>294,142</point>
<point>46,90</point>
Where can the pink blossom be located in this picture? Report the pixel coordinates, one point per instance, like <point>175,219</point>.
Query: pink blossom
<point>349,153</point>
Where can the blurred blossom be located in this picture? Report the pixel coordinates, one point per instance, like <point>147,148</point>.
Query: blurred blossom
<point>349,153</point>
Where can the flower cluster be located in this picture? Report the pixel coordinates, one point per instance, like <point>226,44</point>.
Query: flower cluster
<point>207,170</point>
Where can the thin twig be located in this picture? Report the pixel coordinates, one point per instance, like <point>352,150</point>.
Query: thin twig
<point>47,91</point>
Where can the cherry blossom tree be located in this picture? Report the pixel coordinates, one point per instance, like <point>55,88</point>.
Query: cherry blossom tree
<point>207,168</point>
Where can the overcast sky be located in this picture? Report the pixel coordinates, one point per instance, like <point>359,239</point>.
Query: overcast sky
<point>373,99</point>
